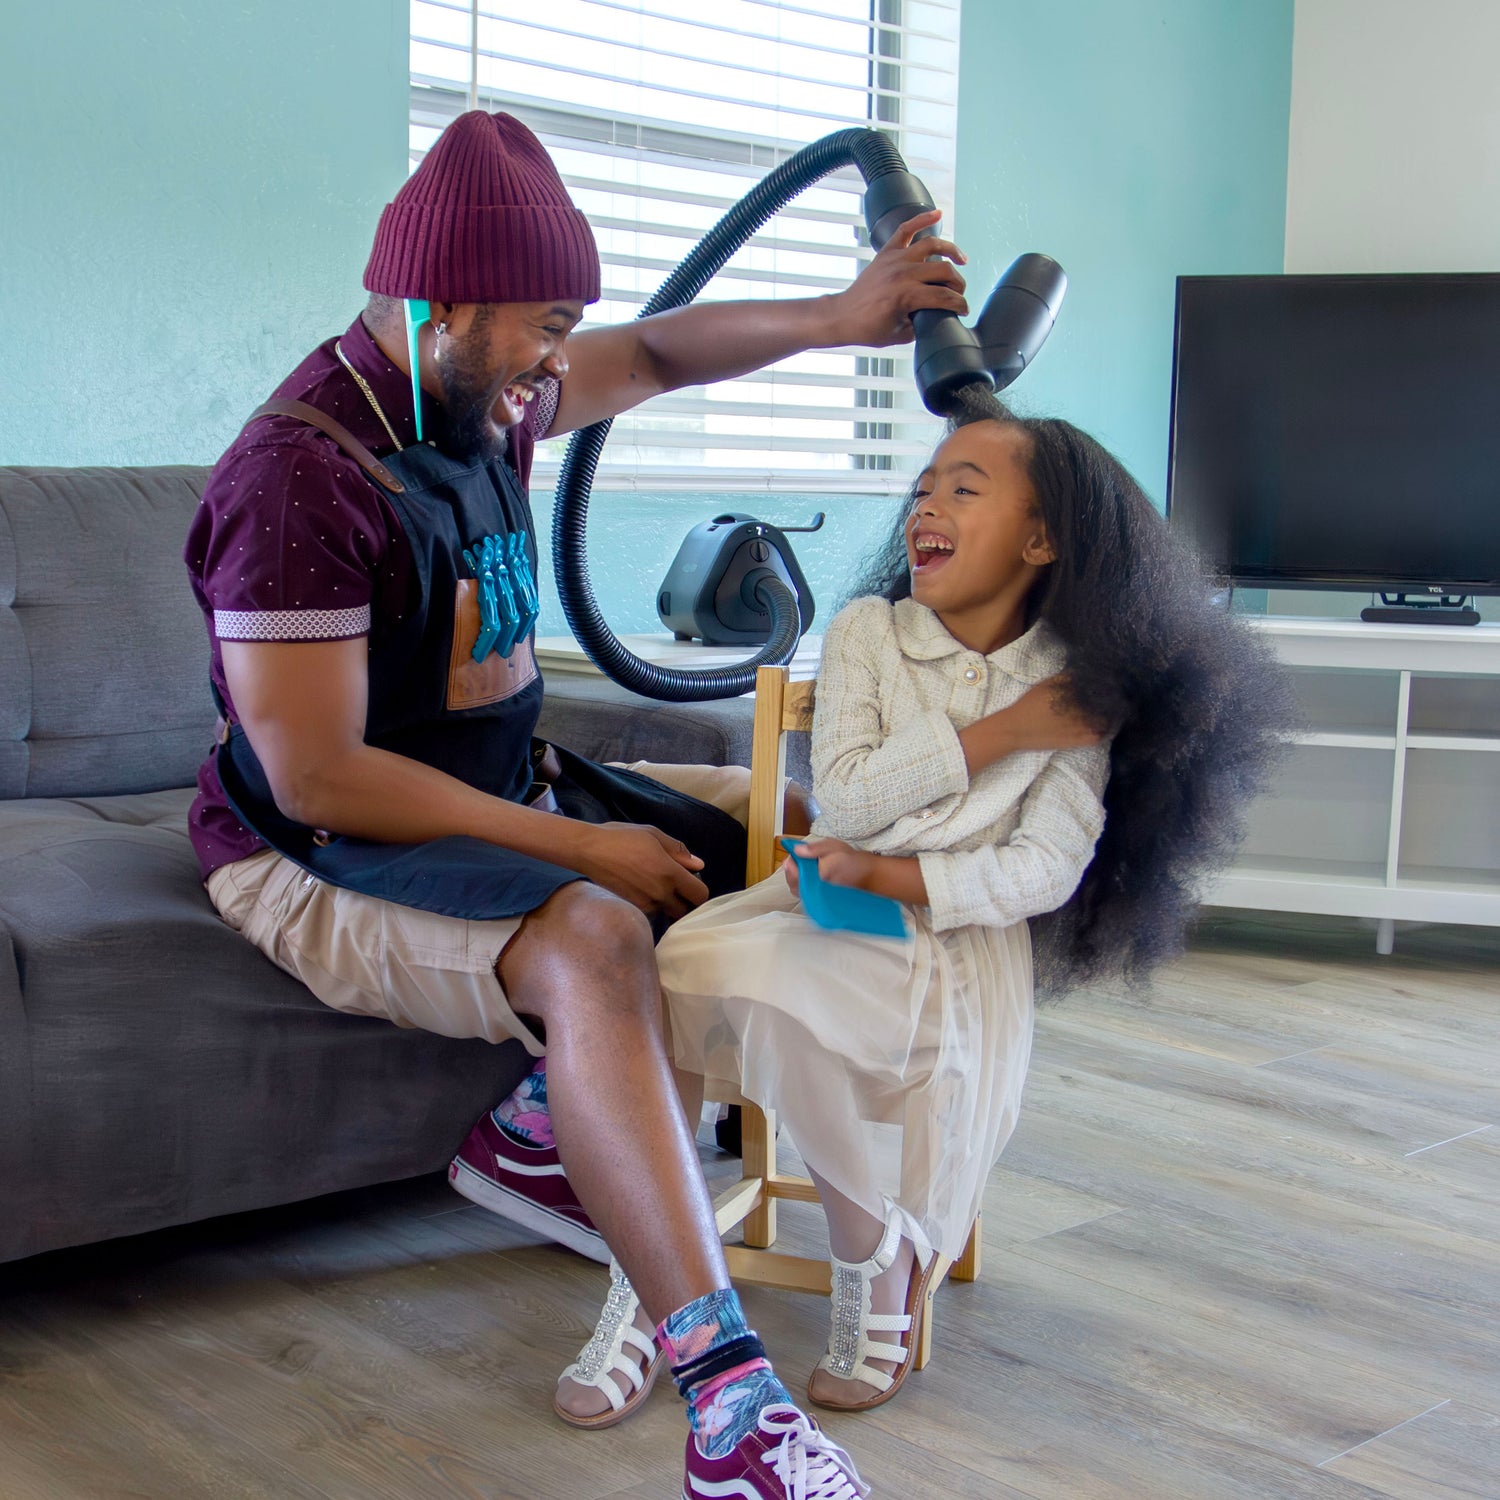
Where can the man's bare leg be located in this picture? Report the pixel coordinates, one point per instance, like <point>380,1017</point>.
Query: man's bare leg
<point>584,965</point>
<point>798,811</point>
<point>589,1400</point>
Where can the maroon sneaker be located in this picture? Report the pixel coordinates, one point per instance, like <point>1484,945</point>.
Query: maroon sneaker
<point>525,1184</point>
<point>786,1456</point>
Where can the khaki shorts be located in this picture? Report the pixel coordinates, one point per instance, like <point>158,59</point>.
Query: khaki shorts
<point>370,957</point>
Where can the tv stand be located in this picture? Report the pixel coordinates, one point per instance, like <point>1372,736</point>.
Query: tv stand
<point>1406,609</point>
<point>1388,804</point>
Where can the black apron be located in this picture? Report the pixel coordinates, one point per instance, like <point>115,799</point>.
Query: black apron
<point>429,701</point>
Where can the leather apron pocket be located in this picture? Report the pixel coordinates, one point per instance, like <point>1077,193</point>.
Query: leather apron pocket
<point>476,684</point>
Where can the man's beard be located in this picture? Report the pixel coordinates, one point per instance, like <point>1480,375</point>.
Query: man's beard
<point>468,431</point>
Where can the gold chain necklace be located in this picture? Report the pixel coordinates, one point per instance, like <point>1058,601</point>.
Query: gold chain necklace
<point>364,385</point>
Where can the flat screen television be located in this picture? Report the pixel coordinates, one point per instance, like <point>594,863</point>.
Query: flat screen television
<point>1339,432</point>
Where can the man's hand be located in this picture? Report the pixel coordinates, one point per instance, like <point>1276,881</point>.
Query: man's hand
<point>1042,718</point>
<point>613,369</point>
<point>906,276</point>
<point>642,865</point>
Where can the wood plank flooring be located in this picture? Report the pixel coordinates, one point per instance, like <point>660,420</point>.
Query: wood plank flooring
<point>1245,1243</point>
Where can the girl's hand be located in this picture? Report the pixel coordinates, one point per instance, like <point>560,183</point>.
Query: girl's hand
<point>896,876</point>
<point>838,863</point>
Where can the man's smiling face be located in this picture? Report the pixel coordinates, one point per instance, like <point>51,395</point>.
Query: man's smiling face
<point>490,359</point>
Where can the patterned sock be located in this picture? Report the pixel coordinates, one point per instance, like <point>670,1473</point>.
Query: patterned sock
<point>524,1115</point>
<point>722,1370</point>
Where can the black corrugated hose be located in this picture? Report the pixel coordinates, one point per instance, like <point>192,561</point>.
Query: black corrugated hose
<point>874,155</point>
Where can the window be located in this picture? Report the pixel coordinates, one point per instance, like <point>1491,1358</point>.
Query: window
<point>661,114</point>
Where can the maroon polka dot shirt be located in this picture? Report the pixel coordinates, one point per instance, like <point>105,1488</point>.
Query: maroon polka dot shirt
<point>291,542</point>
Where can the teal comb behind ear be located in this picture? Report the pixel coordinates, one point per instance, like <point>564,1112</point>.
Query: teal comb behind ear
<point>418,312</point>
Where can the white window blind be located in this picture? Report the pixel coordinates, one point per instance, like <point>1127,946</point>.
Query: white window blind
<point>660,114</point>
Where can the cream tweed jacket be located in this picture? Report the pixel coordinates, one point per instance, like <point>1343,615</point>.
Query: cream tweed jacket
<point>894,689</point>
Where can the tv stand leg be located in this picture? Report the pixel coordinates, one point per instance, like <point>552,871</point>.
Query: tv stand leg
<point>1385,937</point>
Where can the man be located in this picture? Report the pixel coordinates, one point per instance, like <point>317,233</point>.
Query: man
<point>364,819</point>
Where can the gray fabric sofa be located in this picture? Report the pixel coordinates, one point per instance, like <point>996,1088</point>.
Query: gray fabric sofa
<point>154,1068</point>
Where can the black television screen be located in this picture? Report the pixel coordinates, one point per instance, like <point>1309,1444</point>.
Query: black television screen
<point>1339,431</point>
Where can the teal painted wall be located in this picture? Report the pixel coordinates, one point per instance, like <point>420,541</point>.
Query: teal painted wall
<point>188,199</point>
<point>1134,141</point>
<point>187,196</point>
<point>1131,139</point>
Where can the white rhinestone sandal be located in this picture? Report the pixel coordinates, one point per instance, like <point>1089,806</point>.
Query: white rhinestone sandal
<point>850,1347</point>
<point>604,1354</point>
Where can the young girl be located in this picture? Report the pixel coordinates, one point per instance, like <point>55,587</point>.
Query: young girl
<point>1025,552</point>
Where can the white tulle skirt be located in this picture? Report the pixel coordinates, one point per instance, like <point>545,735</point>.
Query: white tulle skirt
<point>851,1038</point>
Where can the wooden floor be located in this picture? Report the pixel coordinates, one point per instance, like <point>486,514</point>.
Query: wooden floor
<point>1245,1243</point>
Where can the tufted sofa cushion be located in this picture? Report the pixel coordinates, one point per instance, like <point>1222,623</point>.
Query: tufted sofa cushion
<point>103,659</point>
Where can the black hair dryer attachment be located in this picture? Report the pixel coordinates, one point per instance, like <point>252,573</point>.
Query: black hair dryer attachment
<point>1013,326</point>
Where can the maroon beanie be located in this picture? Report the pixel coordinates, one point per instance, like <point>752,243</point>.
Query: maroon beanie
<point>484,218</point>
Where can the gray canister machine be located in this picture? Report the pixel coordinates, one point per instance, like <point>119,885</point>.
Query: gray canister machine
<point>713,590</point>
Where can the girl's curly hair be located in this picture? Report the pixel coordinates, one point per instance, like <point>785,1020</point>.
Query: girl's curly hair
<point>1200,704</point>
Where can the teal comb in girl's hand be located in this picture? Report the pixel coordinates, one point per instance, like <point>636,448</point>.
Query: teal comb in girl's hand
<point>841,908</point>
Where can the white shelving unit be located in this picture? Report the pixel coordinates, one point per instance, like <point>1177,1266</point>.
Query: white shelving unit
<point>1388,806</point>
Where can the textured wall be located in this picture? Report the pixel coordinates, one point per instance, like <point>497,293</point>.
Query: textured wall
<point>1394,157</point>
<point>187,195</point>
<point>1131,139</point>
<point>1134,141</point>
<point>1395,137</point>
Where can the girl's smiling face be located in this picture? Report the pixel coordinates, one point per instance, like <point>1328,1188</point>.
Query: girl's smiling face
<point>975,539</point>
